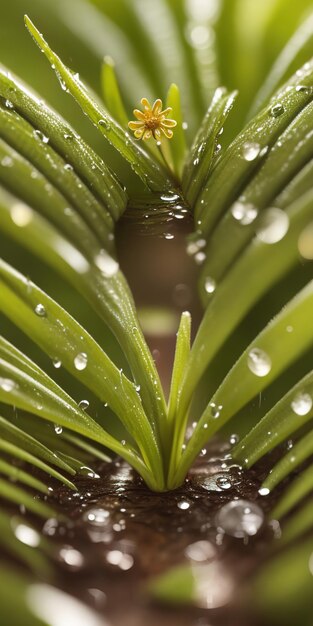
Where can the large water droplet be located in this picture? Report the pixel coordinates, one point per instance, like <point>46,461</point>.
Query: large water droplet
<point>277,109</point>
<point>302,404</point>
<point>40,310</point>
<point>56,363</point>
<point>83,404</point>
<point>250,150</point>
<point>21,214</point>
<point>200,551</point>
<point>243,213</point>
<point>273,226</point>
<point>240,518</point>
<point>259,362</point>
<point>80,361</point>
<point>6,384</point>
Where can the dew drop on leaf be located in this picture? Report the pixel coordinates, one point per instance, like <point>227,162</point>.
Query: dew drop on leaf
<point>58,429</point>
<point>80,361</point>
<point>259,362</point>
<point>40,310</point>
<point>106,264</point>
<point>302,404</point>
<point>277,109</point>
<point>183,505</point>
<point>245,214</point>
<point>56,363</point>
<point>83,404</point>
<point>209,285</point>
<point>274,224</point>
<point>6,384</point>
<point>250,150</point>
<point>40,136</point>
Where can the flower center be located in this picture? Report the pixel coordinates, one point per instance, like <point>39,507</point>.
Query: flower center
<point>152,123</point>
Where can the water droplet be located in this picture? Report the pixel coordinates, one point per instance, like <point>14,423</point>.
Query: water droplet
<point>264,491</point>
<point>233,439</point>
<point>273,226</point>
<point>104,124</point>
<point>87,471</point>
<point>183,505</point>
<point>302,404</point>
<point>83,404</point>
<point>245,214</point>
<point>200,551</point>
<point>40,310</point>
<point>58,429</point>
<point>71,557</point>
<point>68,136</point>
<point>223,482</point>
<point>185,125</point>
<point>250,150</point>
<point>97,516</point>
<point>289,328</point>
<point>209,285</point>
<point>240,518</point>
<point>200,258</point>
<point>68,167</point>
<point>259,363</point>
<point>277,109</point>
<point>8,104</point>
<point>7,161</point>
<point>6,384</point>
<point>120,559</point>
<point>215,409</point>
<point>27,535</point>
<point>304,89</point>
<point>21,214</point>
<point>106,264</point>
<point>56,363</point>
<point>80,361</point>
<point>168,236</point>
<point>40,136</point>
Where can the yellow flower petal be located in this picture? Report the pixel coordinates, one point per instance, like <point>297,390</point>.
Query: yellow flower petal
<point>166,112</point>
<point>139,114</point>
<point>145,102</point>
<point>147,134</point>
<point>157,107</point>
<point>167,132</point>
<point>135,125</point>
<point>157,133</point>
<point>138,133</point>
<point>168,123</point>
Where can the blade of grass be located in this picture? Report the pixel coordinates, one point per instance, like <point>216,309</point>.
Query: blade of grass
<point>148,170</point>
<point>111,92</point>
<point>299,453</point>
<point>65,141</point>
<point>22,498</point>
<point>177,145</point>
<point>298,490</point>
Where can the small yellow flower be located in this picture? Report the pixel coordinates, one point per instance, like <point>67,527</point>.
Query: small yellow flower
<point>152,121</point>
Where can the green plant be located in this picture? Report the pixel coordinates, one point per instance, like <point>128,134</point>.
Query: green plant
<point>251,197</point>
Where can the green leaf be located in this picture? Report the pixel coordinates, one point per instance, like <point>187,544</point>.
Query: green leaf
<point>247,152</point>
<point>286,158</point>
<point>299,453</point>
<point>61,336</point>
<point>181,356</point>
<point>286,417</point>
<point>18,496</point>
<point>65,141</point>
<point>18,475</point>
<point>147,169</point>
<point>272,351</point>
<point>204,151</point>
<point>295,492</point>
<point>34,147</point>
<point>111,92</point>
<point>177,145</point>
